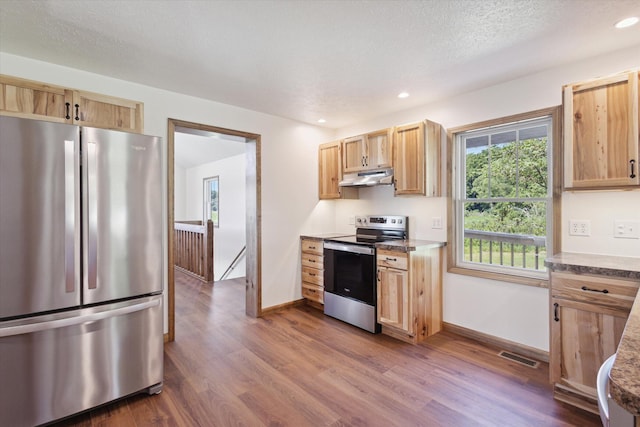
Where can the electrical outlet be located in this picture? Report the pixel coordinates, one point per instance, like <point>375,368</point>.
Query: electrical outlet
<point>580,227</point>
<point>626,229</point>
<point>436,222</point>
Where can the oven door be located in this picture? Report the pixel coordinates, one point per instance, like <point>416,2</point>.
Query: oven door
<point>349,271</point>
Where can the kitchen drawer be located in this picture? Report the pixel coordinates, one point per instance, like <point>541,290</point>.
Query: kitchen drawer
<point>392,259</point>
<point>612,292</point>
<point>313,261</point>
<point>312,246</point>
<point>312,292</point>
<point>312,275</point>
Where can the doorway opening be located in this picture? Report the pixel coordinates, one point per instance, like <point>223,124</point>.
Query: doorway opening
<point>243,150</point>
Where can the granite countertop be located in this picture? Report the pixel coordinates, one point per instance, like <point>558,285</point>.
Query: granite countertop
<point>625,374</point>
<point>408,245</point>
<point>604,265</point>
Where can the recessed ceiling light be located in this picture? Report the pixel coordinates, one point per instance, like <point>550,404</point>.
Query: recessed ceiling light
<point>403,95</point>
<point>627,22</point>
<point>322,121</point>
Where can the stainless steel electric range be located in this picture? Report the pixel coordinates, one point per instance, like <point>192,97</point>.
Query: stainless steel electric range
<point>350,269</point>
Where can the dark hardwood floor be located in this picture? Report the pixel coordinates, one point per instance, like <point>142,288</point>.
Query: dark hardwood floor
<point>300,368</point>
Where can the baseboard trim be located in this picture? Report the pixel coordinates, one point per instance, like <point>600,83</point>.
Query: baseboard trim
<point>279,307</point>
<point>502,343</point>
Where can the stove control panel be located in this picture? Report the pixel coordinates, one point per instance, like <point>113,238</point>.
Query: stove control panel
<point>396,222</point>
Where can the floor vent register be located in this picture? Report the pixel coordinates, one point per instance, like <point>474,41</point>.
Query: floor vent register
<point>519,359</point>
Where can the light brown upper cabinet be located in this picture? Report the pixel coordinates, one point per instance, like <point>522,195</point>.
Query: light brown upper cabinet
<point>92,109</point>
<point>601,133</point>
<point>35,100</point>
<point>330,173</point>
<point>367,152</point>
<point>24,98</point>
<point>416,159</point>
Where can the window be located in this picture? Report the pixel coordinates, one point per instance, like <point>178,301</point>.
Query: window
<point>503,198</point>
<point>212,200</point>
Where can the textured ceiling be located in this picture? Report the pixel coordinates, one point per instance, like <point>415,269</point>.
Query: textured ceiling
<point>344,61</point>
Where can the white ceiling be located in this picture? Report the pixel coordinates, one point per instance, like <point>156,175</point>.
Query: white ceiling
<point>193,148</point>
<point>344,61</point>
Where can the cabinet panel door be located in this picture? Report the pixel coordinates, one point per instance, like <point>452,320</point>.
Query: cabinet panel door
<point>33,100</point>
<point>329,171</point>
<point>394,299</point>
<point>601,137</point>
<point>107,112</point>
<point>353,154</point>
<point>379,149</point>
<point>409,159</point>
<point>589,334</point>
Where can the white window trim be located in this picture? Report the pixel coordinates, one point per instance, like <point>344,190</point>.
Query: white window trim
<point>206,200</point>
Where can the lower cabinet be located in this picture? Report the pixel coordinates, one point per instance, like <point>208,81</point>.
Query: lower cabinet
<point>312,261</point>
<point>409,292</point>
<point>588,316</point>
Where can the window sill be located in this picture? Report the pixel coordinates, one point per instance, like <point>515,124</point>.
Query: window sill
<point>501,277</point>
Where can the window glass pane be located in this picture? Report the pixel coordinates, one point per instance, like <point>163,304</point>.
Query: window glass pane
<point>503,164</point>
<point>511,234</point>
<point>211,200</point>
<point>477,172</point>
<point>532,164</point>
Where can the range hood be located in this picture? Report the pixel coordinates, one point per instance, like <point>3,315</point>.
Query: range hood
<point>368,178</point>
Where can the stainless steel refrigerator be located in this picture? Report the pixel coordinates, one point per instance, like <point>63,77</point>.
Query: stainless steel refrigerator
<point>81,319</point>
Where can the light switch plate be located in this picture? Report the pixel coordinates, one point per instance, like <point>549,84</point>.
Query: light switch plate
<point>436,222</point>
<point>626,229</point>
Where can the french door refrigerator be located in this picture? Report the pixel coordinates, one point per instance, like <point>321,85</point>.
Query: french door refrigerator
<point>81,319</point>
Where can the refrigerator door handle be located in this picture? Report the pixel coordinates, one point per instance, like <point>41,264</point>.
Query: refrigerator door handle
<point>92,215</point>
<point>76,320</point>
<point>72,215</point>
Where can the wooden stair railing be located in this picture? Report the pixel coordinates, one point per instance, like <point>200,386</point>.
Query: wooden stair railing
<point>193,248</point>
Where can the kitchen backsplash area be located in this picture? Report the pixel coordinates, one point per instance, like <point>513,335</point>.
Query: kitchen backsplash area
<point>423,212</point>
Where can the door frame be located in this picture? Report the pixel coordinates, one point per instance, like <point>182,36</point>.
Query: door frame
<point>253,279</point>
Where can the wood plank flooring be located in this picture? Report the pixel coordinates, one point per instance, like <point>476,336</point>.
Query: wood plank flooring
<point>298,367</point>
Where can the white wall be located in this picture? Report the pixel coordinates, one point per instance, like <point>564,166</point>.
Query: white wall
<point>179,193</point>
<point>514,312</point>
<point>230,236</point>
<point>289,183</point>
<point>289,162</point>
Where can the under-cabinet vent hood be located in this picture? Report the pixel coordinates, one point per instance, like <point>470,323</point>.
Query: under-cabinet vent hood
<point>368,178</point>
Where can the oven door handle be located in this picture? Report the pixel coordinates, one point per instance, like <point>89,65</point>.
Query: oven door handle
<point>365,250</point>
